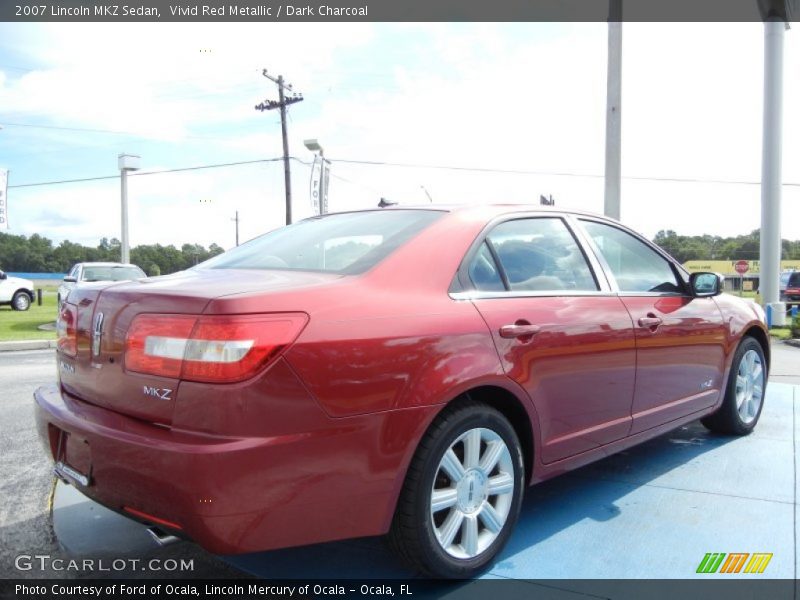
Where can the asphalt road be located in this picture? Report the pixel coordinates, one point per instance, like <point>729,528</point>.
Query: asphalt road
<point>26,484</point>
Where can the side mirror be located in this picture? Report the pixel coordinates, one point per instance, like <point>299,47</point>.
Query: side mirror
<point>70,280</point>
<point>706,284</point>
<point>3,275</point>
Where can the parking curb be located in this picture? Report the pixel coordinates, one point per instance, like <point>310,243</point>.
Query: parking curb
<point>27,345</point>
<point>792,342</point>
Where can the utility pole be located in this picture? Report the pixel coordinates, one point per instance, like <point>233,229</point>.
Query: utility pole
<point>282,103</point>
<point>613,175</point>
<point>236,219</point>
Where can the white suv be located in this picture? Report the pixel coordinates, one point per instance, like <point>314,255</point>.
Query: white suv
<point>16,291</point>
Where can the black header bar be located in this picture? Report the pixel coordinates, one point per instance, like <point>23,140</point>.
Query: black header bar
<point>395,10</point>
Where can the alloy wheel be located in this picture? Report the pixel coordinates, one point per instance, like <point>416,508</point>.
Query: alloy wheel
<point>472,493</point>
<point>749,386</point>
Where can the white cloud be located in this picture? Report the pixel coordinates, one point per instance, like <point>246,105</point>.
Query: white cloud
<point>518,97</point>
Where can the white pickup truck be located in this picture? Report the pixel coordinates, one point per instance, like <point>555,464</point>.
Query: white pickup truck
<point>16,291</point>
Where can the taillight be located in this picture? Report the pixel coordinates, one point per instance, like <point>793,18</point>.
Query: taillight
<point>66,329</point>
<point>218,349</point>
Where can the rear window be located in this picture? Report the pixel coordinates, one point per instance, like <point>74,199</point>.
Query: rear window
<point>347,243</point>
<point>111,273</point>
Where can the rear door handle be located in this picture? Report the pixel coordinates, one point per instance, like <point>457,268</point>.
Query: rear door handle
<point>650,321</point>
<point>518,330</point>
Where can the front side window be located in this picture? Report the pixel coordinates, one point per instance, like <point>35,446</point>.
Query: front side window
<point>537,254</point>
<point>634,264</point>
<point>346,243</point>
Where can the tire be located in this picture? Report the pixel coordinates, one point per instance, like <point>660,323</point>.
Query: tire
<point>744,393</point>
<point>21,301</point>
<point>470,524</point>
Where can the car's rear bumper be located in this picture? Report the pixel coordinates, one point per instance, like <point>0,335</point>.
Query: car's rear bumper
<point>231,495</point>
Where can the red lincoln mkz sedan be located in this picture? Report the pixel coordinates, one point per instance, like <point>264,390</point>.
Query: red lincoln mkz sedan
<point>403,371</point>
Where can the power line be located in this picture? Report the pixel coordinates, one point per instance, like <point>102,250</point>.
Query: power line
<point>547,173</point>
<point>393,164</point>
<point>106,131</point>
<point>142,173</point>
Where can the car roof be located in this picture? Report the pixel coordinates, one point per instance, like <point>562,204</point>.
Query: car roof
<point>490,209</point>
<point>108,264</point>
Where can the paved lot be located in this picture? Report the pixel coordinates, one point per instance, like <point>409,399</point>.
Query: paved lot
<point>26,527</point>
<point>652,511</point>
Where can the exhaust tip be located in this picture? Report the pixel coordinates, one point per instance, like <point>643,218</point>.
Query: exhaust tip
<point>161,537</point>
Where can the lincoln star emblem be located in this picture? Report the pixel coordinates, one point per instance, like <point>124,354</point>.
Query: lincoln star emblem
<point>97,333</point>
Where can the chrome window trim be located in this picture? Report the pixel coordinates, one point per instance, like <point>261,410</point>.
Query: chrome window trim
<point>478,295</point>
<point>607,283</point>
<point>652,294</point>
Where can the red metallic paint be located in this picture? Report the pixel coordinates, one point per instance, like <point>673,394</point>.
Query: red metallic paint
<point>316,446</point>
<point>680,362</point>
<point>585,344</point>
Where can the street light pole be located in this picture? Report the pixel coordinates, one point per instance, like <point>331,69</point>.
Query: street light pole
<point>126,162</point>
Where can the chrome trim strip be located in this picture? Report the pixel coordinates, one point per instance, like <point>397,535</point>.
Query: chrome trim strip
<point>475,295</point>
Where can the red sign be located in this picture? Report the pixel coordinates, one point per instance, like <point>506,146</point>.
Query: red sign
<point>741,266</point>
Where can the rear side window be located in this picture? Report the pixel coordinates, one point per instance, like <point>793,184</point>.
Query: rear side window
<point>537,254</point>
<point>347,243</point>
<point>483,271</point>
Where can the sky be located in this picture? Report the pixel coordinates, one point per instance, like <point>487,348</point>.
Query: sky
<point>460,112</point>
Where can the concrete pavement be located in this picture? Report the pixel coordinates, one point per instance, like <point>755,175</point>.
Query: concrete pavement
<point>652,511</point>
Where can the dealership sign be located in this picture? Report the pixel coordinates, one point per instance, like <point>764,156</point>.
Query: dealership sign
<point>732,267</point>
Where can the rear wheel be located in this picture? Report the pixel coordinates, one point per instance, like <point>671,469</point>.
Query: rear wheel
<point>744,394</point>
<point>462,494</point>
<point>21,301</point>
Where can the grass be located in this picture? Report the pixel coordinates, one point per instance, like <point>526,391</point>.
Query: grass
<point>781,333</point>
<point>23,325</point>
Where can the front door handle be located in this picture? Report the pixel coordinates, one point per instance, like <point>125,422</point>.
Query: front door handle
<point>650,321</point>
<point>518,330</point>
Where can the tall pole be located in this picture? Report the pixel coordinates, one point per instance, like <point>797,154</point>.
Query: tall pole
<point>125,162</point>
<point>282,103</point>
<point>125,249</point>
<point>613,171</point>
<point>287,179</point>
<point>770,245</point>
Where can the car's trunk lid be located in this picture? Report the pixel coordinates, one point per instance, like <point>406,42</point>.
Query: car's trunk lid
<point>105,313</point>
